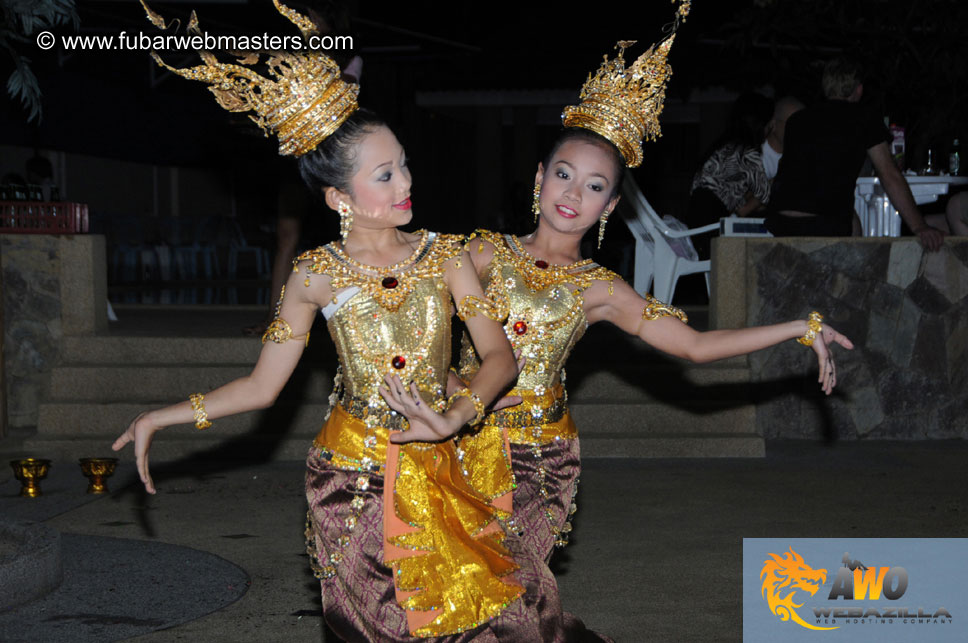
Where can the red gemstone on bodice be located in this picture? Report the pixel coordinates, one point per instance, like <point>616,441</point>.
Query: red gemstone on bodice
<point>541,263</point>
<point>390,282</point>
<point>520,327</point>
<point>399,362</point>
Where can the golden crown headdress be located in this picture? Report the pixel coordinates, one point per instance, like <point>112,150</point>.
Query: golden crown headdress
<point>623,104</point>
<point>303,100</point>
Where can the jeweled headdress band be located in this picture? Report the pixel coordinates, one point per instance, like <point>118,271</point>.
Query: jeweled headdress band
<point>303,100</point>
<point>623,104</point>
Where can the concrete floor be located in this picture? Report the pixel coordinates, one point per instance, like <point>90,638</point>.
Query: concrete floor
<point>656,553</point>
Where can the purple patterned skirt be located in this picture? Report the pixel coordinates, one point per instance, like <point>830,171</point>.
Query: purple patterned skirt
<point>544,500</point>
<point>345,541</point>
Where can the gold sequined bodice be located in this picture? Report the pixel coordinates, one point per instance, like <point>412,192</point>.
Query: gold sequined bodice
<point>412,341</point>
<point>397,323</point>
<point>546,317</point>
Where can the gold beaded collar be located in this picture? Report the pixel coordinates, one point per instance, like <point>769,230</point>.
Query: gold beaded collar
<point>538,274</point>
<point>389,286</point>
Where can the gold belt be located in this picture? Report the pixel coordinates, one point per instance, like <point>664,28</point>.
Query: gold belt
<point>355,435</point>
<point>539,419</point>
<point>374,415</point>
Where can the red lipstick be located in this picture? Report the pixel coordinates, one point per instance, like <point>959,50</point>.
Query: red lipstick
<point>566,212</point>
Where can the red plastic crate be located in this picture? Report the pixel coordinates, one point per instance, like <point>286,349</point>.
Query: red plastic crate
<point>41,217</point>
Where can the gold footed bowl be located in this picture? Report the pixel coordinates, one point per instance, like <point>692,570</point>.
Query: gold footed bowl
<point>30,471</point>
<point>98,470</point>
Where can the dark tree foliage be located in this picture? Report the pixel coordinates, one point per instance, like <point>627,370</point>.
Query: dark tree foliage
<point>20,21</point>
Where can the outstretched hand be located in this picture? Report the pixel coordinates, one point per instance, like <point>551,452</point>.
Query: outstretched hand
<point>821,346</point>
<point>141,432</point>
<point>426,425</point>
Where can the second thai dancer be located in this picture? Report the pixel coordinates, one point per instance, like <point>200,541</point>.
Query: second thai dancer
<point>553,294</point>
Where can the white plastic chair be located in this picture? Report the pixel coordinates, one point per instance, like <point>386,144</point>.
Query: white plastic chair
<point>655,258</point>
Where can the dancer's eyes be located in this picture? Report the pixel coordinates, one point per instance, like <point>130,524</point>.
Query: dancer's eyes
<point>388,175</point>
<point>596,187</point>
<point>562,174</point>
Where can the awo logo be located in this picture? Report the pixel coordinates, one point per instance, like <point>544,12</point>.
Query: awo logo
<point>783,577</point>
<point>878,585</point>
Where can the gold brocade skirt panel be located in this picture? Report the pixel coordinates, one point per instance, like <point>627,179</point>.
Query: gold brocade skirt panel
<point>451,570</point>
<point>353,445</point>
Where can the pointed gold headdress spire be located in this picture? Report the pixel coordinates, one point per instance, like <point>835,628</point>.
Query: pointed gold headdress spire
<point>623,104</point>
<point>302,101</point>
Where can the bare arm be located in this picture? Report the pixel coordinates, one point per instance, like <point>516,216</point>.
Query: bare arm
<point>481,253</point>
<point>901,198</point>
<point>624,309</point>
<point>752,205</point>
<point>257,390</point>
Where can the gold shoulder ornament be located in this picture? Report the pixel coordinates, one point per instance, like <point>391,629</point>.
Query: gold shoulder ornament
<point>654,309</point>
<point>493,238</point>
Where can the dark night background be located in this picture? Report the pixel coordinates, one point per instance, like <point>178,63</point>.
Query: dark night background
<point>119,105</point>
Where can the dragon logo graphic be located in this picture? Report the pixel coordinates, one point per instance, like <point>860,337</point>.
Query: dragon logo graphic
<point>782,577</point>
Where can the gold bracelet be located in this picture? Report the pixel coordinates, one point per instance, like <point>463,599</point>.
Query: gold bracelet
<point>814,326</point>
<point>475,400</point>
<point>198,406</point>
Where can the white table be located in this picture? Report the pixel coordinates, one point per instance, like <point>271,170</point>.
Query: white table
<point>878,218</point>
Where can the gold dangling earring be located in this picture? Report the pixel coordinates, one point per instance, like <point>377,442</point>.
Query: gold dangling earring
<point>601,226</point>
<point>345,219</point>
<point>536,202</point>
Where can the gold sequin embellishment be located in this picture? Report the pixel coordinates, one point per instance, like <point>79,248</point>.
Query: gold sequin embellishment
<point>389,286</point>
<point>654,309</point>
<point>496,308</point>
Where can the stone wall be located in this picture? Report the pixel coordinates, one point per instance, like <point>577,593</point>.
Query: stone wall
<point>53,285</point>
<point>906,311</point>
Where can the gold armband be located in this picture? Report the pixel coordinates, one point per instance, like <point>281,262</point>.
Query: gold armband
<point>654,309</point>
<point>475,400</point>
<point>198,406</point>
<point>493,308</point>
<point>279,330</point>
<point>814,326</point>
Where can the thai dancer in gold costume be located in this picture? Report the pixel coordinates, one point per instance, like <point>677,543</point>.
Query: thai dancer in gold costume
<point>553,294</point>
<point>405,541</point>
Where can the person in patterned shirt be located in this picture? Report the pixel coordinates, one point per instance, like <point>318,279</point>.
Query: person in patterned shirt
<point>732,179</point>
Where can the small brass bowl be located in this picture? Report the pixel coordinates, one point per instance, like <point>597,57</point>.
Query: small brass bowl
<point>30,471</point>
<point>97,471</point>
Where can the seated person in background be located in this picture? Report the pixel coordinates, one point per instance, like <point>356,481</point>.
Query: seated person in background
<point>955,218</point>
<point>957,214</point>
<point>771,150</point>
<point>824,149</point>
<point>731,178</point>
